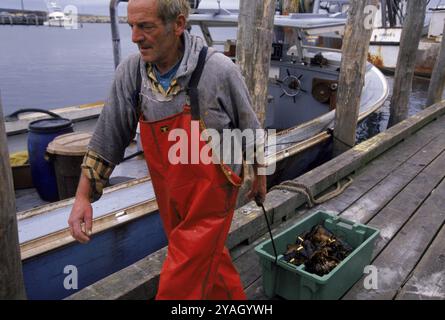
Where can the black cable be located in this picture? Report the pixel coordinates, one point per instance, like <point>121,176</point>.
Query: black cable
<point>270,231</point>
<point>14,116</point>
<point>133,155</point>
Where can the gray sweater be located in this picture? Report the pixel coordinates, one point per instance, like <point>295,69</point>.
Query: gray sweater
<point>222,92</point>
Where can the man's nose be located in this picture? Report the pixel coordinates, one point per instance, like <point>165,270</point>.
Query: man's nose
<point>136,35</point>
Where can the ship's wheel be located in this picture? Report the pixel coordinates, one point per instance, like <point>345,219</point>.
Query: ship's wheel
<point>291,85</point>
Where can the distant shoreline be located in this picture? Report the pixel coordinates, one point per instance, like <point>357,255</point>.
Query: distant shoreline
<point>87,18</point>
<point>82,18</point>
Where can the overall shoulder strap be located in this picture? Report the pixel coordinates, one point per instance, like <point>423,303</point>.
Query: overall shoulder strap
<point>136,93</point>
<point>192,89</point>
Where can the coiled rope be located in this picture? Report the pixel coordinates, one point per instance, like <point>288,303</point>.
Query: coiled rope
<point>297,187</point>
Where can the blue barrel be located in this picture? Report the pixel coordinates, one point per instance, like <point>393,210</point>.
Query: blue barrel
<point>41,133</point>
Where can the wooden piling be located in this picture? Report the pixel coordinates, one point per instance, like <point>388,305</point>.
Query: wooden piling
<point>437,84</point>
<point>352,72</point>
<point>254,48</point>
<point>406,62</point>
<point>115,31</point>
<point>11,276</point>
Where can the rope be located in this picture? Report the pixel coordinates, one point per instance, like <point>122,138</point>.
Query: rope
<point>303,189</point>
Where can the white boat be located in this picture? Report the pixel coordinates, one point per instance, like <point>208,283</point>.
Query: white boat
<point>385,39</point>
<point>56,19</point>
<point>61,18</point>
<point>301,107</point>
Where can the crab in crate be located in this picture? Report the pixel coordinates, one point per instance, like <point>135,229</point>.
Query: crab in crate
<point>319,250</point>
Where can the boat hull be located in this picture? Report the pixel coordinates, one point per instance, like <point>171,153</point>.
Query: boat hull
<point>300,163</point>
<point>50,275</point>
<point>384,56</point>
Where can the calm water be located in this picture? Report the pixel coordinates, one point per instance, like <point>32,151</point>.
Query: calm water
<point>378,121</point>
<point>49,68</point>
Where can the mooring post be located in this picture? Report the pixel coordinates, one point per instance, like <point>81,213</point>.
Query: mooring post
<point>358,32</point>
<point>406,61</point>
<point>254,49</point>
<point>115,37</point>
<point>437,84</point>
<point>11,276</point>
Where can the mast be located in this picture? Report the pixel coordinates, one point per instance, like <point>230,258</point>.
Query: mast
<point>384,13</point>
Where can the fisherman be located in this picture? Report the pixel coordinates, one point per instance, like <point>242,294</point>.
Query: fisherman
<point>196,200</point>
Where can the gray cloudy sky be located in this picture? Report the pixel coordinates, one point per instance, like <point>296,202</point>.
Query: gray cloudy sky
<point>100,7</point>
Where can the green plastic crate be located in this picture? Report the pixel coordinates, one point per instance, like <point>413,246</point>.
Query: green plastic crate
<point>294,283</point>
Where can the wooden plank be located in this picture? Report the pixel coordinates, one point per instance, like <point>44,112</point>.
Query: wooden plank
<point>406,61</point>
<point>392,218</point>
<point>428,278</point>
<point>437,83</point>
<point>352,73</point>
<point>137,281</point>
<point>380,168</point>
<point>360,155</point>
<point>378,197</point>
<point>255,291</point>
<point>401,255</point>
<point>254,48</point>
<point>11,276</point>
<point>248,267</point>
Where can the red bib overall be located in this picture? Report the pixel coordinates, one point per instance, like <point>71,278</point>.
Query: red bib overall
<point>196,203</point>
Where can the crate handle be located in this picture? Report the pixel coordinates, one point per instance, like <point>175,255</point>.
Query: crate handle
<point>344,223</point>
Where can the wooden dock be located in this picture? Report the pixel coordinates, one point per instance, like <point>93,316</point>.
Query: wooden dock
<point>398,187</point>
<point>402,193</point>
<point>27,20</point>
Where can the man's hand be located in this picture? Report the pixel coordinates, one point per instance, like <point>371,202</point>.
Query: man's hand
<point>81,220</point>
<point>259,189</point>
<point>81,217</point>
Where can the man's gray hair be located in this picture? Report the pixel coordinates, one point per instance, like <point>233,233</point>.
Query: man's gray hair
<point>169,10</point>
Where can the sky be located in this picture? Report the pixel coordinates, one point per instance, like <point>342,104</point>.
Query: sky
<point>98,7</point>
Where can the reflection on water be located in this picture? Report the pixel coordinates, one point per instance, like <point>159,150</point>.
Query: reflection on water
<point>378,121</point>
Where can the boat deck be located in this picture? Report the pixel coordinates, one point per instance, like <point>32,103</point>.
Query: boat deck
<point>135,168</point>
<point>402,193</point>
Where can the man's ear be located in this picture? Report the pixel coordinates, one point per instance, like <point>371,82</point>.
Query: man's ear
<point>179,25</point>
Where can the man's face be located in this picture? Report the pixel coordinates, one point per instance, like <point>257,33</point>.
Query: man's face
<point>154,38</point>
